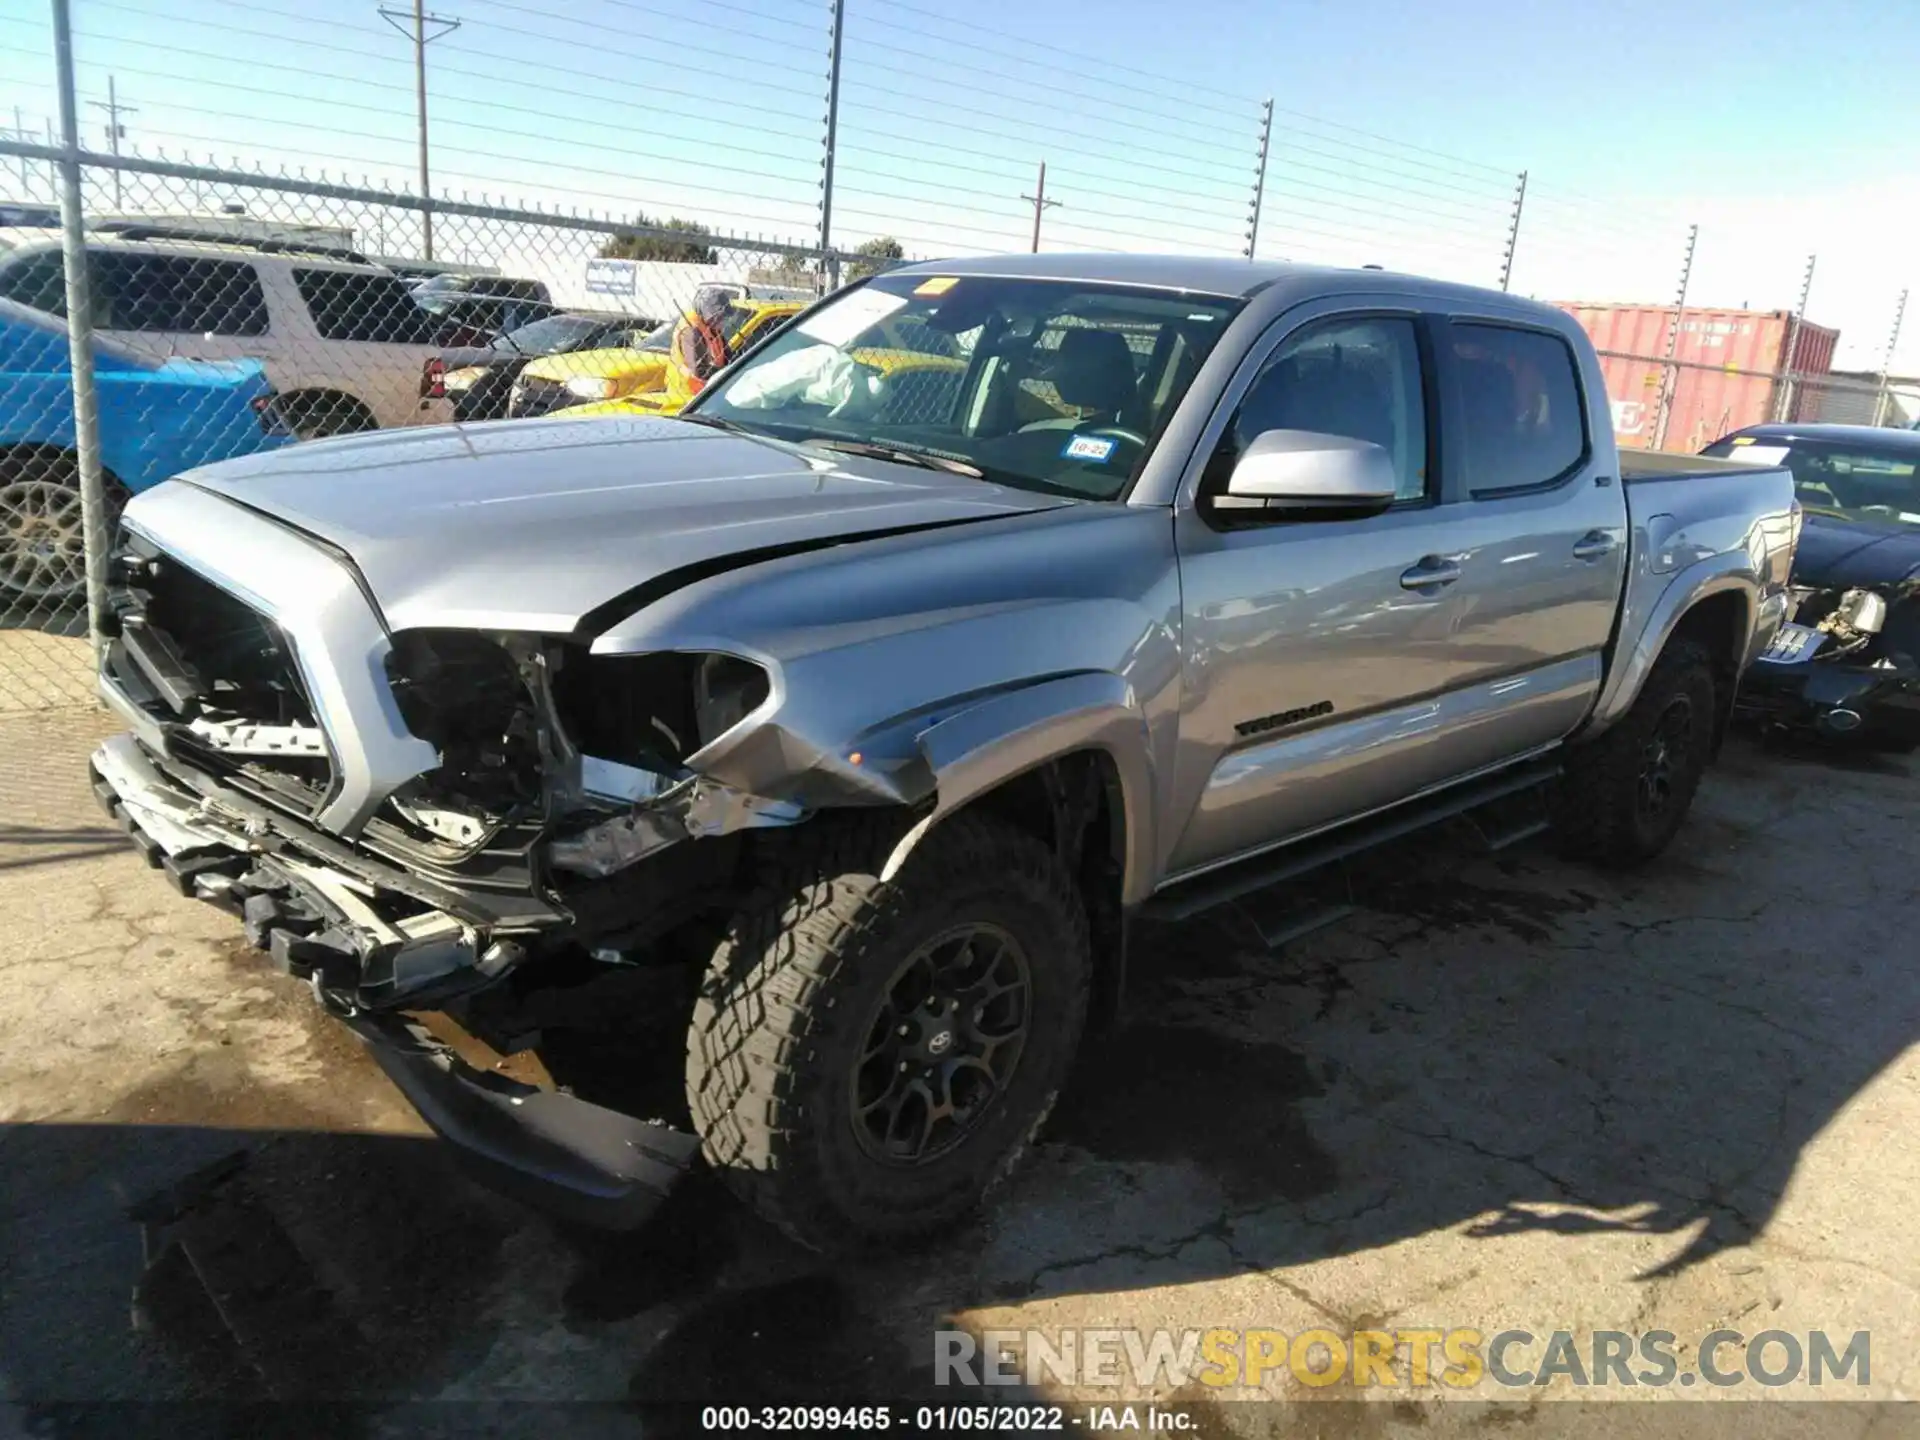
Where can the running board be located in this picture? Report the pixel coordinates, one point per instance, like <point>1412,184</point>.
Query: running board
<point>1234,882</point>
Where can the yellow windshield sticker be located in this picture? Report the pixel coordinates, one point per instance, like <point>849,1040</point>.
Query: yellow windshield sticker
<point>1743,439</point>
<point>939,285</point>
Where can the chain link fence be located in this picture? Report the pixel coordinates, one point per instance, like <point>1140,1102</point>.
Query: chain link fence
<point>228,314</point>
<point>227,309</point>
<point>1679,405</point>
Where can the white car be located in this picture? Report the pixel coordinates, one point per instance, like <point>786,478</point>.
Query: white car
<point>342,340</point>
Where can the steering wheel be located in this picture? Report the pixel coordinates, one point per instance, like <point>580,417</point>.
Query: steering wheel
<point>1119,432</point>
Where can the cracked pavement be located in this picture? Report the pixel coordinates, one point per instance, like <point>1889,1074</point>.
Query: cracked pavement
<point>1505,1093</point>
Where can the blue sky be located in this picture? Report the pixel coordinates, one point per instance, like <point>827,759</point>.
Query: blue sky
<point>1782,128</point>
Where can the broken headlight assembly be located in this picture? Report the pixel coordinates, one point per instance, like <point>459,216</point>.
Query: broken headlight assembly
<point>465,694</point>
<point>652,711</point>
<point>634,720</point>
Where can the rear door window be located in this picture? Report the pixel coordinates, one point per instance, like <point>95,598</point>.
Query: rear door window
<point>353,305</point>
<point>1524,424</point>
<point>39,281</point>
<point>156,293</point>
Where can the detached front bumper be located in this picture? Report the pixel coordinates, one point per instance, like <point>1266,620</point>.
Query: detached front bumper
<point>1837,698</point>
<point>373,942</point>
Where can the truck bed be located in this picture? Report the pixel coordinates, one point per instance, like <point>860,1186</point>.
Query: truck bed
<point>1637,466</point>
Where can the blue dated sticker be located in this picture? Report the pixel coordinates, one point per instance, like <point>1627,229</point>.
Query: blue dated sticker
<point>1094,449</point>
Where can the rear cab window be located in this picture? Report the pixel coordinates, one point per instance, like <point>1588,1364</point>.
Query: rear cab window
<point>356,305</point>
<point>1523,419</point>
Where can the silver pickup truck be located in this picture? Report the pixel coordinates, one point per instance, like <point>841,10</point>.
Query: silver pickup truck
<point>984,609</point>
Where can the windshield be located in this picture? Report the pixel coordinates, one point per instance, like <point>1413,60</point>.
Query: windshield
<point>1054,385</point>
<point>1853,481</point>
<point>551,336</point>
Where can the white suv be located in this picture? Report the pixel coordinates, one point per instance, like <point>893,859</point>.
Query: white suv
<point>342,340</point>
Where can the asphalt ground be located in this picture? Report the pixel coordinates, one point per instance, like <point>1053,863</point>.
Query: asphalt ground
<point>1505,1094</point>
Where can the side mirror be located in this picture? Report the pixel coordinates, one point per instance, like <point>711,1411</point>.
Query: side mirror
<point>1285,472</point>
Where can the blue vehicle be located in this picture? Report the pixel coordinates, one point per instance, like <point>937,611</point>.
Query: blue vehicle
<point>156,419</point>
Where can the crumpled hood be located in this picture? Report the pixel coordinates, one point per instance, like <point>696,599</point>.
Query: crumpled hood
<point>533,525</point>
<point>1836,552</point>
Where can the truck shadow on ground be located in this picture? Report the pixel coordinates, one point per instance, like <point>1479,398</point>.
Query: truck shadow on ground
<point>1490,1046</point>
<point>1504,1045</point>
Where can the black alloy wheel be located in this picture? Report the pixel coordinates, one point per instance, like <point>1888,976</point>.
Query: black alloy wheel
<point>943,1043</point>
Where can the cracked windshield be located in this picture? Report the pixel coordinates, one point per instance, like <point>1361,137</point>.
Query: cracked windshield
<point>1057,386</point>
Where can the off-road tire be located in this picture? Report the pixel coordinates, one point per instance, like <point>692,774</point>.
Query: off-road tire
<point>1596,807</point>
<point>784,1008</point>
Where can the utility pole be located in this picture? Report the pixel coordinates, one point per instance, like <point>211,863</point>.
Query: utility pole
<point>415,29</point>
<point>116,132</point>
<point>1041,204</point>
<point>86,399</point>
<point>1513,232</point>
<point>1794,322</point>
<point>1260,175</point>
<point>1669,373</point>
<point>21,134</point>
<point>830,272</point>
<point>1886,365</point>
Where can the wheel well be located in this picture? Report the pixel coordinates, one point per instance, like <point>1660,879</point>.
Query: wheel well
<point>1073,805</point>
<point>29,451</point>
<point>1719,624</point>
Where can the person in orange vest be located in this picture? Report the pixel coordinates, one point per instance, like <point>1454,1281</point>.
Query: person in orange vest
<point>700,342</point>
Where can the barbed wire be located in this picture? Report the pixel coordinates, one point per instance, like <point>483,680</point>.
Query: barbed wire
<point>1180,96</point>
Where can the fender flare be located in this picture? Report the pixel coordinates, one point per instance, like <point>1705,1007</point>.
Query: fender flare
<point>1704,579</point>
<point>988,744</point>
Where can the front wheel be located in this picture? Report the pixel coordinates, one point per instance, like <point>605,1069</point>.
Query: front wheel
<point>1625,795</point>
<point>867,1058</point>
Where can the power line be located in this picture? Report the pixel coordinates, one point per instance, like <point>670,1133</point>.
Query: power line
<point>1184,97</point>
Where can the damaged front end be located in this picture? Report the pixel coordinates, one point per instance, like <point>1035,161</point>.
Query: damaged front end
<point>1843,667</point>
<point>492,815</point>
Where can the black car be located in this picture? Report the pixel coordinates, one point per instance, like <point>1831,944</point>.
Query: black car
<point>480,384</point>
<point>1847,665</point>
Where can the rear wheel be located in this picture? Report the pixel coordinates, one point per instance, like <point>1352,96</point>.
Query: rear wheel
<point>868,1058</point>
<point>1625,795</point>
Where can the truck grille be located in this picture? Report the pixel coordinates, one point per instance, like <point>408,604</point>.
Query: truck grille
<point>220,677</point>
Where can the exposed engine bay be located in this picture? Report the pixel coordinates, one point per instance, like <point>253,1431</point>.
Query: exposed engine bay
<point>591,749</point>
<point>557,770</point>
<point>1846,666</point>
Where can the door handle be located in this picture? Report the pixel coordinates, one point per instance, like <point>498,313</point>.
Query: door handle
<point>1594,544</point>
<point>1432,571</point>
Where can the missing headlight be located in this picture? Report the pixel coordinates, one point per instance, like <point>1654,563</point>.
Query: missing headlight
<point>726,689</point>
<point>653,711</point>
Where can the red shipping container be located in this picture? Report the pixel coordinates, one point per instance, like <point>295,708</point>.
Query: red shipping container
<point>1726,378</point>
